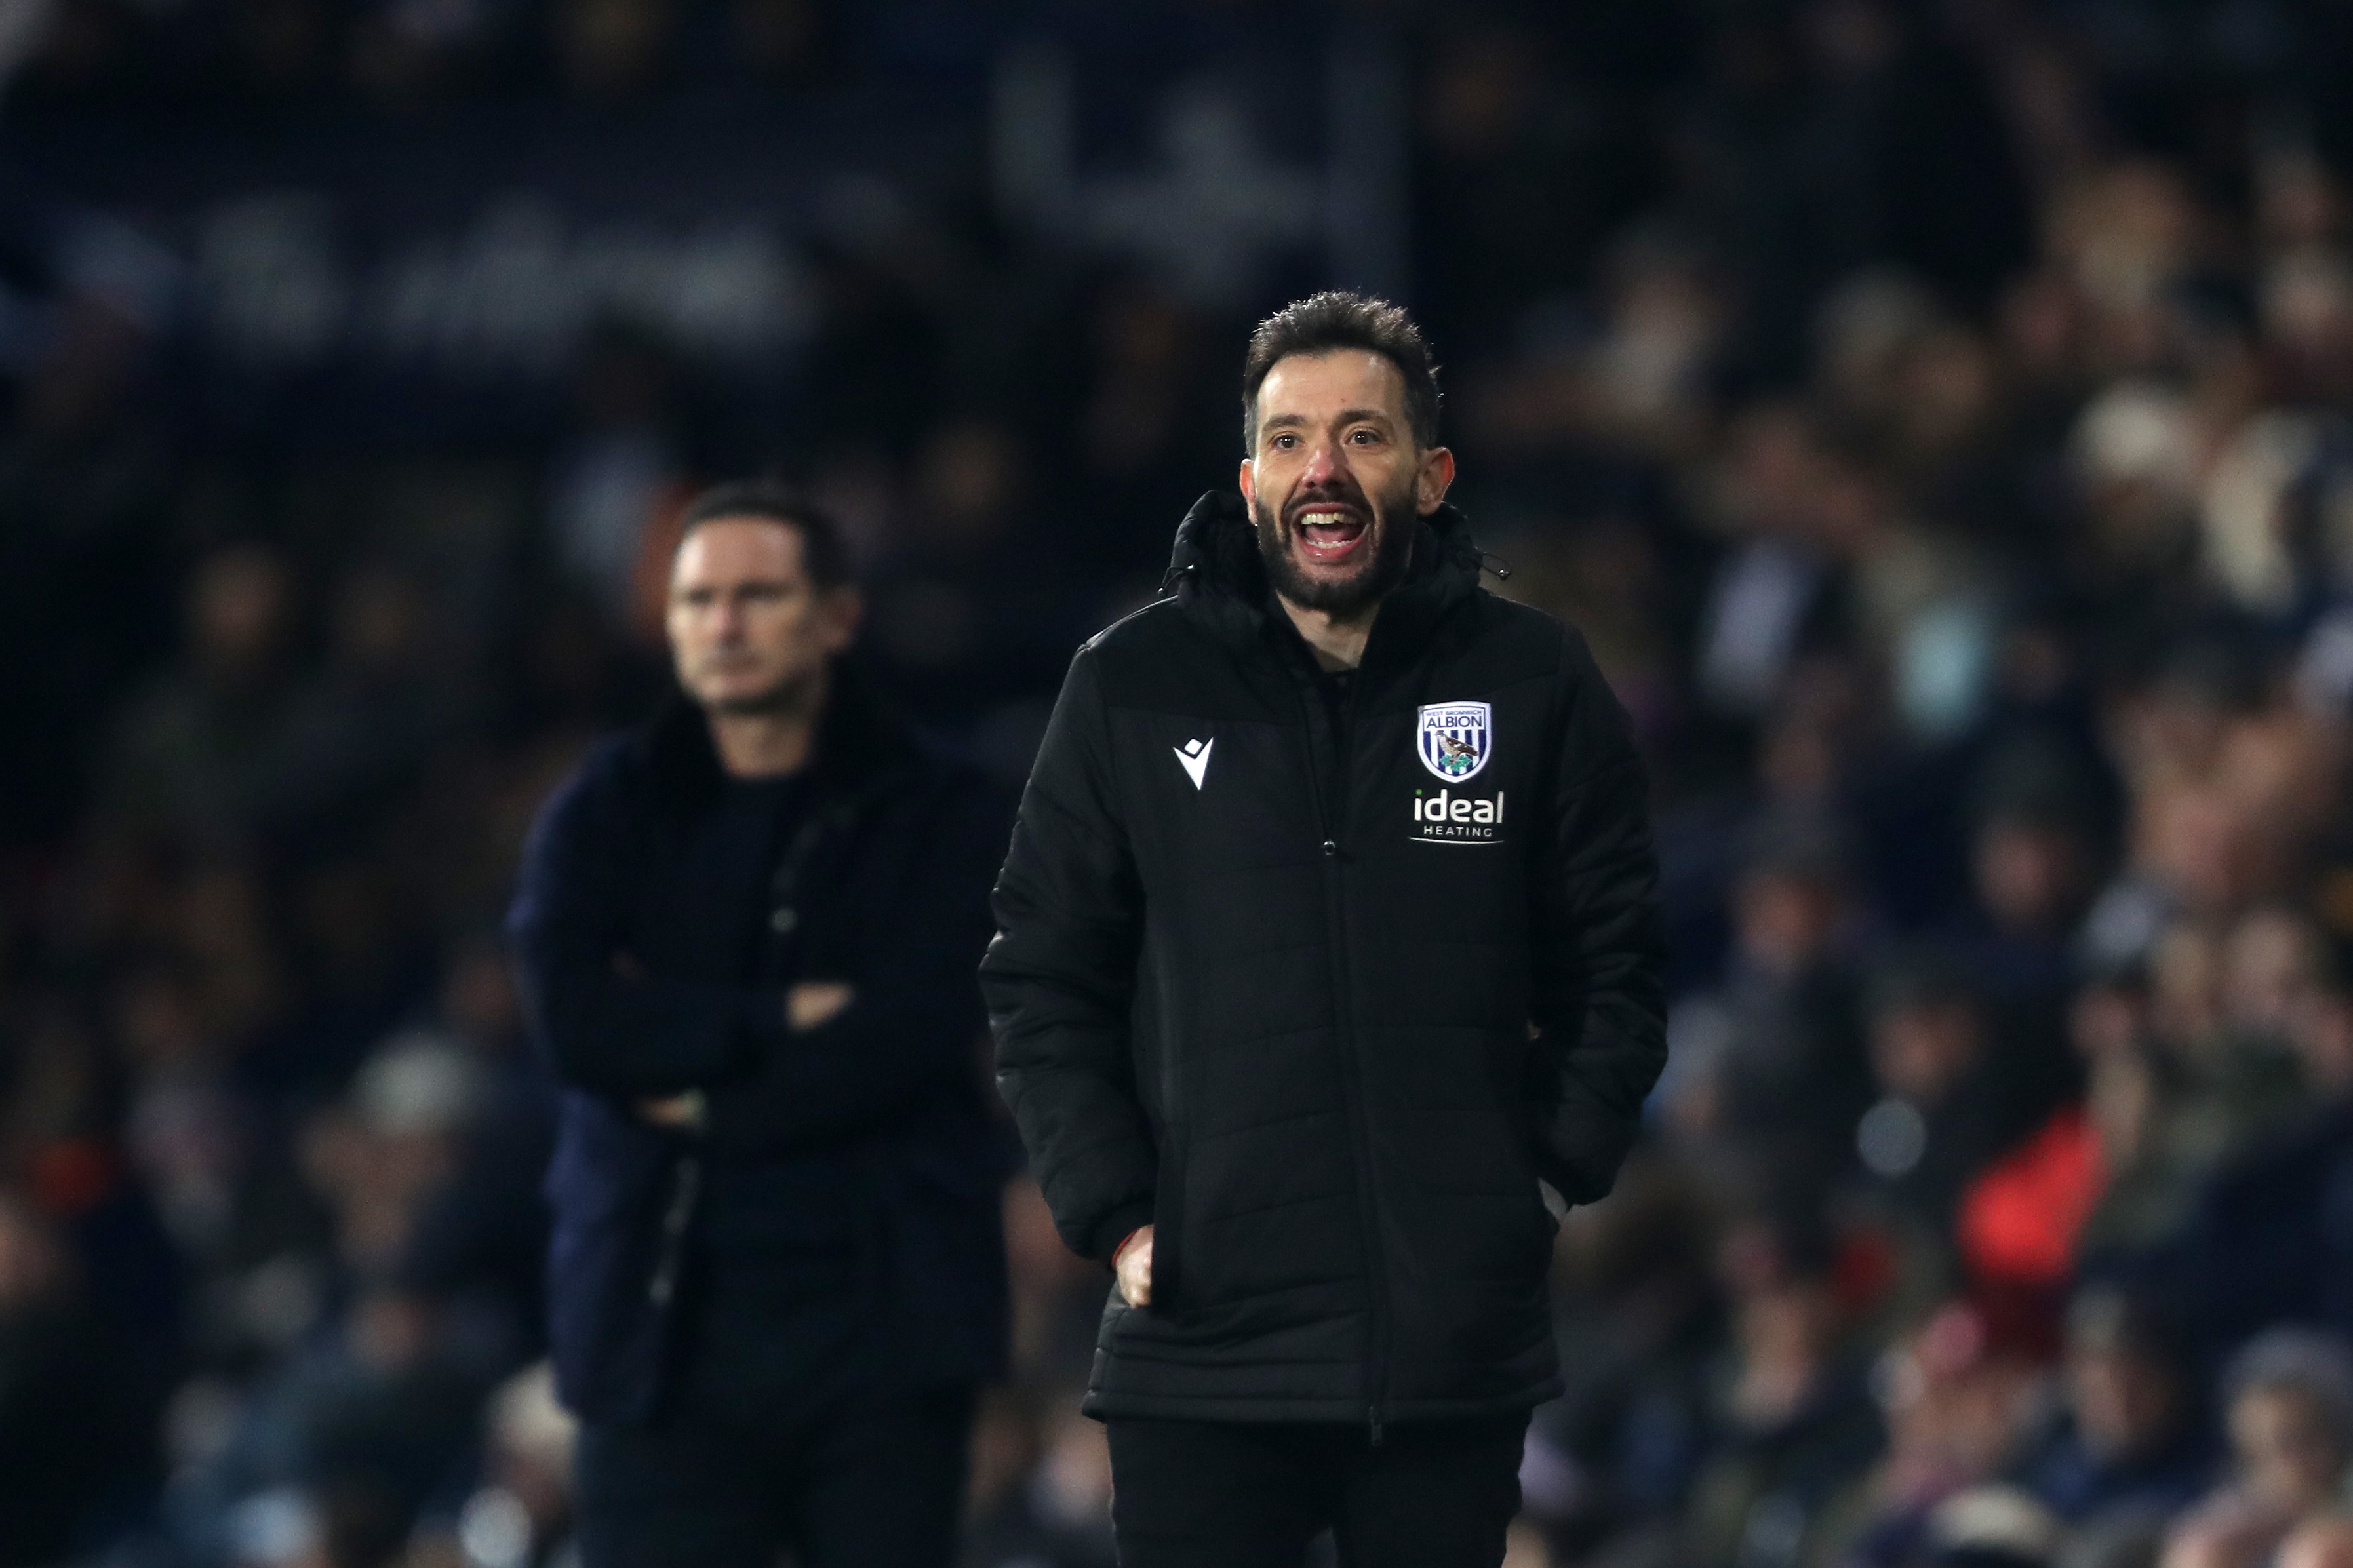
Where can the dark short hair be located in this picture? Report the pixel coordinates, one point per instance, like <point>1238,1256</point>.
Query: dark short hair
<point>1334,320</point>
<point>822,550</point>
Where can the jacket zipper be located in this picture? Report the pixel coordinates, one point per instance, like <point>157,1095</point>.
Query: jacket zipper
<point>784,918</point>
<point>1168,1255</point>
<point>686,1182</point>
<point>686,1178</point>
<point>1330,797</point>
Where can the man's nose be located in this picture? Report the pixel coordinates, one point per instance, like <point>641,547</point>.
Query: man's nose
<point>1323,464</point>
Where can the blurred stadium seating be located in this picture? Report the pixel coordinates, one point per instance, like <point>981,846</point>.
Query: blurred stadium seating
<point>1934,415</point>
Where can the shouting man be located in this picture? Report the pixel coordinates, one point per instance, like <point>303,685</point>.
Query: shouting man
<point>1327,941</point>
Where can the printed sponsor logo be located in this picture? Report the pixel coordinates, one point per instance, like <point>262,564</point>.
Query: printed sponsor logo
<point>1195,757</point>
<point>1452,818</point>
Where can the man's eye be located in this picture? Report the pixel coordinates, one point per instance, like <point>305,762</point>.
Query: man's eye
<point>1364,438</point>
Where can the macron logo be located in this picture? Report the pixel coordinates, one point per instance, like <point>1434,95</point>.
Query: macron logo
<point>1195,755</point>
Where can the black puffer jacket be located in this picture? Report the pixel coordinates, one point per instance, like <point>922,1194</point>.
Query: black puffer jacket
<point>1322,995</point>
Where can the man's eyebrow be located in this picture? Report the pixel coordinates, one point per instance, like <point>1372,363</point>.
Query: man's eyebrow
<point>1346,416</point>
<point>741,585</point>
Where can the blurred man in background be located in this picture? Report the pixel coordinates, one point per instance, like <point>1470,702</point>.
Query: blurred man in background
<point>1329,932</point>
<point>746,937</point>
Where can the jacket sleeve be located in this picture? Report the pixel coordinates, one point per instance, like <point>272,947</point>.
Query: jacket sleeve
<point>1598,997</point>
<point>914,1028</point>
<point>601,1024</point>
<point>1059,976</point>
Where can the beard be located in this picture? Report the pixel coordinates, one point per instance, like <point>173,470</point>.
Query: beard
<point>1392,521</point>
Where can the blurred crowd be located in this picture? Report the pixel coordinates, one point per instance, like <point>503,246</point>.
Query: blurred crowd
<point>1934,415</point>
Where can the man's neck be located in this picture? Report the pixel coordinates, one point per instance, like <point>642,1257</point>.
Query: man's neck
<point>770,743</point>
<point>1336,641</point>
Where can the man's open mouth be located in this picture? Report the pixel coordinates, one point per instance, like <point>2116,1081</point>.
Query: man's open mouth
<point>1329,535</point>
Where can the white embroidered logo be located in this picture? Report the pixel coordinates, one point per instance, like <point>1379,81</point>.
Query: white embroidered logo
<point>1195,755</point>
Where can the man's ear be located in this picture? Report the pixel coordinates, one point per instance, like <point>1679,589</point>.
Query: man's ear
<point>1248,480</point>
<point>845,607</point>
<point>1433,479</point>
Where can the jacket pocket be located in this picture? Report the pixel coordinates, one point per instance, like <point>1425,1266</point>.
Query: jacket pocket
<point>1168,1064</point>
<point>1168,1227</point>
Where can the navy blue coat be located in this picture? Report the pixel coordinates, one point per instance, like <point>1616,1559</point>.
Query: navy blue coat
<point>631,927</point>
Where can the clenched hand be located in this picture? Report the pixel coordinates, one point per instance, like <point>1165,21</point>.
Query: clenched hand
<point>815,1002</point>
<point>1133,1266</point>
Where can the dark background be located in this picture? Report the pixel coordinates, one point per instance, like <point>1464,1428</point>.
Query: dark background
<point>1934,415</point>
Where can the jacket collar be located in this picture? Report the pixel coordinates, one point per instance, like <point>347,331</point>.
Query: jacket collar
<point>1216,575</point>
<point>860,739</point>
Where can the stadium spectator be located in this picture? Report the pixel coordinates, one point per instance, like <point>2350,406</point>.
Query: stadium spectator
<point>2128,1436</point>
<point>1947,1101</point>
<point>188,753</point>
<point>1795,1428</point>
<point>1774,1077</point>
<point>2287,1402</point>
<point>72,1452</point>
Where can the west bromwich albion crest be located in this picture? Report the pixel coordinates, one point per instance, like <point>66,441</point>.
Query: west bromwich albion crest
<point>1455,739</point>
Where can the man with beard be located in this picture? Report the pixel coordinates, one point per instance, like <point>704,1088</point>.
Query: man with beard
<point>1328,941</point>
<point>744,935</point>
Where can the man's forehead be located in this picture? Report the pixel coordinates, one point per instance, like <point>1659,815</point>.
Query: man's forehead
<point>1323,384</point>
<point>735,548</point>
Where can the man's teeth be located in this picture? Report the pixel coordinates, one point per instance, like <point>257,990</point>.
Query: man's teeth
<point>1323,519</point>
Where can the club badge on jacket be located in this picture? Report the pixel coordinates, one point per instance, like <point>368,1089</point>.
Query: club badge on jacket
<point>1455,740</point>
